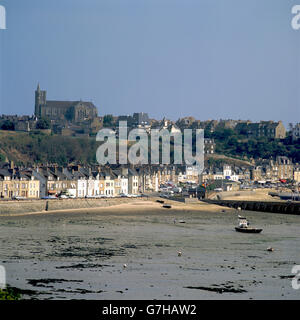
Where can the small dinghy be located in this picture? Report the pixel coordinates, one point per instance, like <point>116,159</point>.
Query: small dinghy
<point>168,206</point>
<point>244,226</point>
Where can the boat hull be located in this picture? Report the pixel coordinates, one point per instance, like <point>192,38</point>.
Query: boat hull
<point>248,230</point>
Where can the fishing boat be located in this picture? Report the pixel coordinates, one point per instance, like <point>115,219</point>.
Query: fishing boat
<point>244,226</point>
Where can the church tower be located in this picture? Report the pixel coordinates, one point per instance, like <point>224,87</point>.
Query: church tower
<point>40,101</point>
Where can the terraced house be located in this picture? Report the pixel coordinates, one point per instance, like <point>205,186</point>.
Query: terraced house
<point>18,184</point>
<point>269,129</point>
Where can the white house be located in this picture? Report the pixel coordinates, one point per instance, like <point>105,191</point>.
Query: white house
<point>227,172</point>
<point>93,184</point>
<point>81,182</point>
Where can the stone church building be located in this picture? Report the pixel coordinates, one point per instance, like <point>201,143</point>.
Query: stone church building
<point>73,111</point>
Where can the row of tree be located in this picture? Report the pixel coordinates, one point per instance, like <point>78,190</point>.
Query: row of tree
<point>42,123</point>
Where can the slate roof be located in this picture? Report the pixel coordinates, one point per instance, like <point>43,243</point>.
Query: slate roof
<point>67,104</point>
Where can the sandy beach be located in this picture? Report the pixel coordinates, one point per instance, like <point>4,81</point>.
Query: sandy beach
<point>21,208</point>
<point>125,208</point>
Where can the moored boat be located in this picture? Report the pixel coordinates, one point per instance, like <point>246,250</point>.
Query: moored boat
<point>244,226</point>
<point>248,230</point>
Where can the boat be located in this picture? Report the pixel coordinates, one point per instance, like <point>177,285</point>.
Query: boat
<point>244,226</point>
<point>168,206</point>
<point>248,230</point>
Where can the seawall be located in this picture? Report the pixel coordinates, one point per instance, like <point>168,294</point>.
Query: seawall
<point>264,206</point>
<point>25,206</point>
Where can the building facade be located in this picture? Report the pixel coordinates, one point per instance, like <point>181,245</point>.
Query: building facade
<point>74,111</point>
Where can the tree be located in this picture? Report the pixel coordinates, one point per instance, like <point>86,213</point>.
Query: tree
<point>43,123</point>
<point>108,120</point>
<point>7,125</point>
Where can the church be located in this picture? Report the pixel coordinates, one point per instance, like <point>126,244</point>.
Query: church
<point>73,111</point>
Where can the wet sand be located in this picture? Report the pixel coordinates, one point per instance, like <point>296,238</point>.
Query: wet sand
<point>80,254</point>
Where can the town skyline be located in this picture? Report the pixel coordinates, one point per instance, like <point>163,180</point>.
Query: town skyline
<point>104,113</point>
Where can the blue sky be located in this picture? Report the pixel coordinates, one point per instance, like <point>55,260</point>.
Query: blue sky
<point>211,59</point>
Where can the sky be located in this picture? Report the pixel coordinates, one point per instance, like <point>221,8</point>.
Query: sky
<point>210,59</point>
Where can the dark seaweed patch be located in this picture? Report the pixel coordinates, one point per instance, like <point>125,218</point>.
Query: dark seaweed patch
<point>287,277</point>
<point>83,266</point>
<point>129,246</point>
<point>81,291</point>
<point>89,252</point>
<point>225,289</point>
<point>42,282</point>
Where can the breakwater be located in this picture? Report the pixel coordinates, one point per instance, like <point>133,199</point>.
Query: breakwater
<point>26,206</point>
<point>264,206</point>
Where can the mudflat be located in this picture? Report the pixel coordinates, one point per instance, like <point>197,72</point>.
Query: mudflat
<point>140,250</point>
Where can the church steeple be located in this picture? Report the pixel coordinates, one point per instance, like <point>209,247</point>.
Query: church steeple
<point>40,101</point>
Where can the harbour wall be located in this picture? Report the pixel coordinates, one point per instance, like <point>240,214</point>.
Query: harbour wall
<point>26,206</point>
<point>264,206</point>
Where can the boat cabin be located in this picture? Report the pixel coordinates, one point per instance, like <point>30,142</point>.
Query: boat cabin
<point>243,223</point>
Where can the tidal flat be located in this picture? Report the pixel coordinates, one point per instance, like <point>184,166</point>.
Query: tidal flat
<point>143,251</point>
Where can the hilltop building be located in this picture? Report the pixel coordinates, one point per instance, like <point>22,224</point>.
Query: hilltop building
<point>73,111</point>
<point>269,129</point>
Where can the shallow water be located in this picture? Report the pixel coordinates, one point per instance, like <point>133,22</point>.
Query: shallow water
<point>82,255</point>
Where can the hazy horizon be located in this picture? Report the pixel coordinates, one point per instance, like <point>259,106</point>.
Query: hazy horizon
<point>169,58</point>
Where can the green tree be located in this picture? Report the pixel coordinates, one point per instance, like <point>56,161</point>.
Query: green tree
<point>108,120</point>
<point>43,123</point>
<point>7,125</point>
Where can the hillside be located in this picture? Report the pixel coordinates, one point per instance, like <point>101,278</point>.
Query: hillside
<point>36,147</point>
<point>26,148</point>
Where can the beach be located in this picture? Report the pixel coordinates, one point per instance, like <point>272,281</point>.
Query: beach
<point>140,250</point>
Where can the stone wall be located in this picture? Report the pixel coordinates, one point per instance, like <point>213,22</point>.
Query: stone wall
<point>26,206</point>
